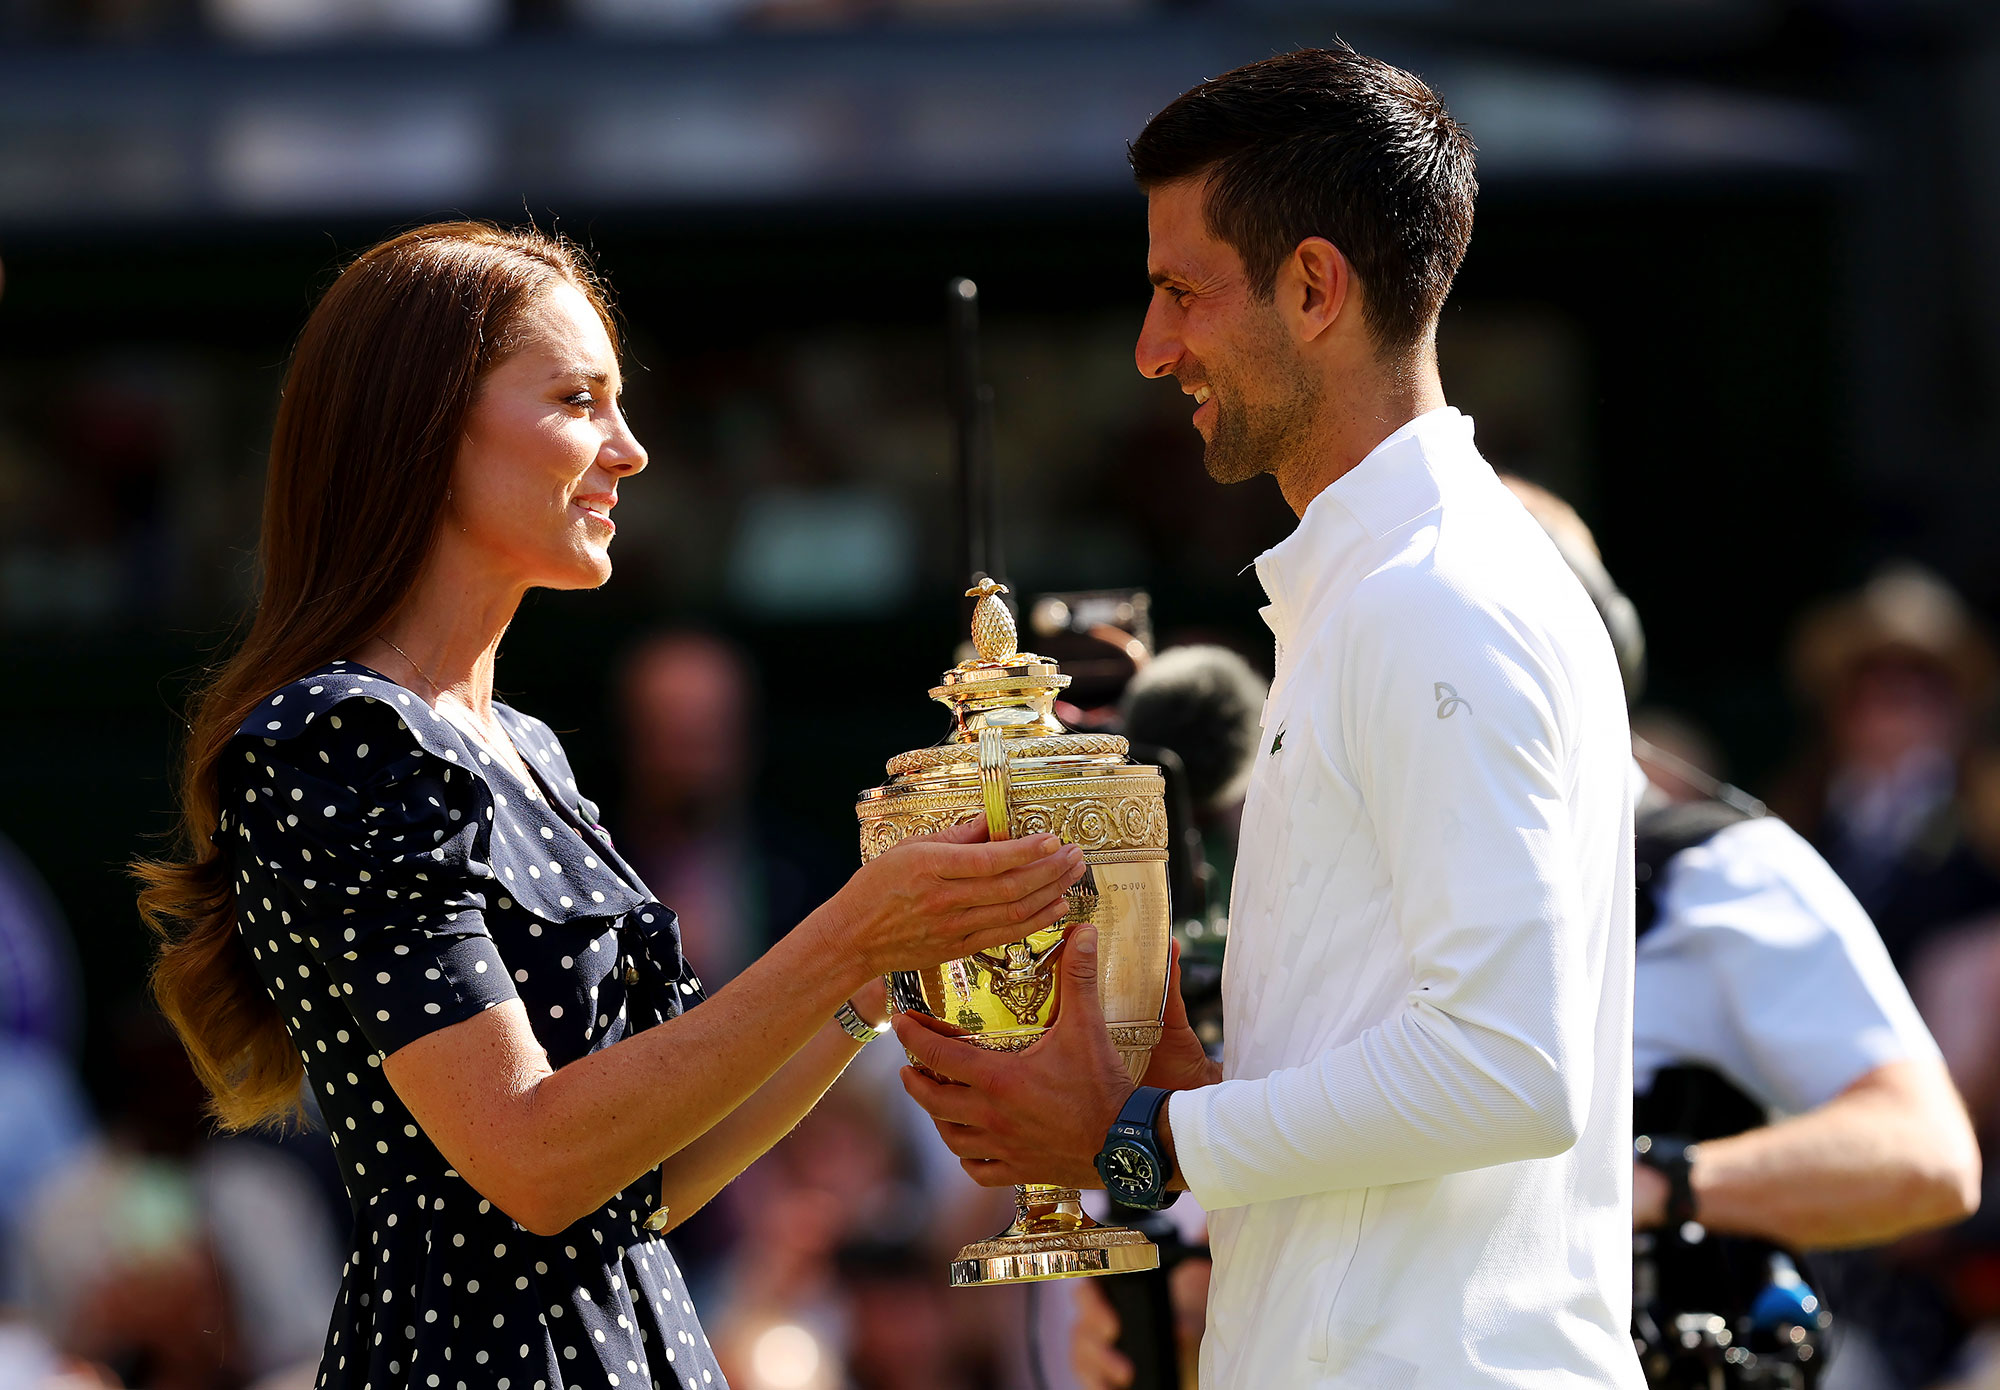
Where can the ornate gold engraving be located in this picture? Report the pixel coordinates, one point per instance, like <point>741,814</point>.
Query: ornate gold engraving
<point>957,754</point>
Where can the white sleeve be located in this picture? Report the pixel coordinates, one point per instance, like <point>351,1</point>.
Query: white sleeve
<point>1488,1059</point>
<point>1764,967</point>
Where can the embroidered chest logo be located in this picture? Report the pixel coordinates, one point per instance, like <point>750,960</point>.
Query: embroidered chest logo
<point>1277,743</point>
<point>1449,700</point>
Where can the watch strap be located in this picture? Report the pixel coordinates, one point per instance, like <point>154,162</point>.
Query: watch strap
<point>1142,1107</point>
<point>852,1024</point>
<point>1673,1159</point>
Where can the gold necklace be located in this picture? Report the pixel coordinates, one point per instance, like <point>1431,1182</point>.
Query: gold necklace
<point>437,693</point>
<point>436,689</point>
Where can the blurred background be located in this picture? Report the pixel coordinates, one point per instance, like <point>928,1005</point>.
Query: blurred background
<point>1732,292</point>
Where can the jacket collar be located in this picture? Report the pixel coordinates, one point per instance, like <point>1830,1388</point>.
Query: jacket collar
<point>1394,484</point>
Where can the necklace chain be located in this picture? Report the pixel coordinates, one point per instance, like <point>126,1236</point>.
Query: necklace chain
<point>437,692</point>
<point>436,689</point>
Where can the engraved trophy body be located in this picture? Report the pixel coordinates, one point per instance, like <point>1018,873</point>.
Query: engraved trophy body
<point>1009,759</point>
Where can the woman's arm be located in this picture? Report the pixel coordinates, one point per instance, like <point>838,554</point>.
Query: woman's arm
<point>692,1177</point>
<point>549,1146</point>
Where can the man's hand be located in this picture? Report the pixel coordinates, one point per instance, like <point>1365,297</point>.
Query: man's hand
<point>1093,1337</point>
<point>1037,1116</point>
<point>1179,1062</point>
<point>1650,1194</point>
<point>1093,1341</point>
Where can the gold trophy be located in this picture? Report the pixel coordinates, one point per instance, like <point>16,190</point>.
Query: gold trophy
<point>1009,759</point>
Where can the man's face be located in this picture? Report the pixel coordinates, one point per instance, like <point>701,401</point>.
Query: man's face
<point>1227,346</point>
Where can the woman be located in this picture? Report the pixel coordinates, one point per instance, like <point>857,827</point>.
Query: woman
<point>394,891</point>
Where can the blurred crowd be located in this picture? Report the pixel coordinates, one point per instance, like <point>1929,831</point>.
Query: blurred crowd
<point>466,21</point>
<point>137,1248</point>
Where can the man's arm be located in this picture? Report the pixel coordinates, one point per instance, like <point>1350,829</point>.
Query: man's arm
<point>1490,1056</point>
<point>1799,1005</point>
<point>1891,1155</point>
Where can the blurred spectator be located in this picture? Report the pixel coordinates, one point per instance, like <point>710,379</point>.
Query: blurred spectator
<point>312,21</point>
<point>43,1115</point>
<point>737,877</point>
<point>1899,676</point>
<point>836,1278</point>
<point>37,960</point>
<point>44,1119</point>
<point>175,1259</point>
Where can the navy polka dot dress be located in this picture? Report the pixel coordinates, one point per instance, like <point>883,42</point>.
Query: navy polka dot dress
<point>392,879</point>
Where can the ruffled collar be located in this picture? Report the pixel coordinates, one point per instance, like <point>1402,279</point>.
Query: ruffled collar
<point>542,846</point>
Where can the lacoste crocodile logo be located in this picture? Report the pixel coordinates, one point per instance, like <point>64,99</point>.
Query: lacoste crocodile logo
<point>1277,743</point>
<point>1448,700</point>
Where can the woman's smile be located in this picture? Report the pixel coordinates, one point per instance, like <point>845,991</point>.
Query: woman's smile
<point>598,508</point>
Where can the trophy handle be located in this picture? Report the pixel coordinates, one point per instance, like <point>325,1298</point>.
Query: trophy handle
<point>995,784</point>
<point>906,993</point>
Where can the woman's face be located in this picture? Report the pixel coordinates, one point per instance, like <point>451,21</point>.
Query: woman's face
<point>544,447</point>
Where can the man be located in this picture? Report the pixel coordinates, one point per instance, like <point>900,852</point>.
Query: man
<point>1416,1154</point>
<point>1762,991</point>
<point>1769,1024</point>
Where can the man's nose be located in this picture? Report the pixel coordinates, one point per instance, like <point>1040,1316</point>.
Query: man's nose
<point>1158,348</point>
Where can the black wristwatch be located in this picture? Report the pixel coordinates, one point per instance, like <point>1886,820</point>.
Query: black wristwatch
<point>1133,1164</point>
<point>1673,1159</point>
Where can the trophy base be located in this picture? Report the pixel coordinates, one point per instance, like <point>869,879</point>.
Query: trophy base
<point>1051,1238</point>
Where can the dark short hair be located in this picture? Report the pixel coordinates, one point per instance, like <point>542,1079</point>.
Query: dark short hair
<point>1330,143</point>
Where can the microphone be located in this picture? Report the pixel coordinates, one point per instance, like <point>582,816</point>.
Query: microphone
<point>1207,705</point>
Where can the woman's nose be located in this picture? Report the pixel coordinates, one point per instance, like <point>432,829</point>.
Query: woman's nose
<point>623,454</point>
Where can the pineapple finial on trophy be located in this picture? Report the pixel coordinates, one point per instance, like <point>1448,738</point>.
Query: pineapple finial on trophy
<point>993,632</point>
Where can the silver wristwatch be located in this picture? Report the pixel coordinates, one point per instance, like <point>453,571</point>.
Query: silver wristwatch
<point>851,1024</point>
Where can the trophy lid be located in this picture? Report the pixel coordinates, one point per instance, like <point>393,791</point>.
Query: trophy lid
<point>1002,687</point>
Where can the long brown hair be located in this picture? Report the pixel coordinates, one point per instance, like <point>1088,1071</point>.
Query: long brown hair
<point>368,428</point>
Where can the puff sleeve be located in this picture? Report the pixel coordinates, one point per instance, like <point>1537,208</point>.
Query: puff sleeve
<point>357,843</point>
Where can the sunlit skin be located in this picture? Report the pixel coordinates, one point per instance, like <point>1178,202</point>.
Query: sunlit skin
<point>1293,385</point>
<point>701,1096</point>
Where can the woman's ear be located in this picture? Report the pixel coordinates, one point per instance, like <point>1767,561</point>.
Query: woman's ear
<point>1314,286</point>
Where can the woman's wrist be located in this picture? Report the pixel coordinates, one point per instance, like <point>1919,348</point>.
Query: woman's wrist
<point>831,936</point>
<point>871,1001</point>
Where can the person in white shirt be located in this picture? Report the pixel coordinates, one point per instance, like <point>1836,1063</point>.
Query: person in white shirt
<point>1417,1151</point>
<point>1769,1024</point>
<point>1771,1027</point>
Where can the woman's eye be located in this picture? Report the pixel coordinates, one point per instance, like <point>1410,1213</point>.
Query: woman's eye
<point>582,400</point>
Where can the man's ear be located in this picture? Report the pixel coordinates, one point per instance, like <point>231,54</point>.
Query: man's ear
<point>1315,286</point>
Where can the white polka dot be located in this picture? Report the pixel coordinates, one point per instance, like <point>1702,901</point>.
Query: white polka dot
<point>555,1011</point>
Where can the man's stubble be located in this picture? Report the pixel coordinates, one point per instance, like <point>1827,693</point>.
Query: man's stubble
<point>1264,410</point>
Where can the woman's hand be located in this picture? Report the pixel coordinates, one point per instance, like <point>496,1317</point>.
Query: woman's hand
<point>938,897</point>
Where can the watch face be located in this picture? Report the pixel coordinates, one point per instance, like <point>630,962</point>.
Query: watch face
<point>1129,1169</point>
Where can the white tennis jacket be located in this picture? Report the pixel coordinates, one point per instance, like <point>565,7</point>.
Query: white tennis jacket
<point>1419,1168</point>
